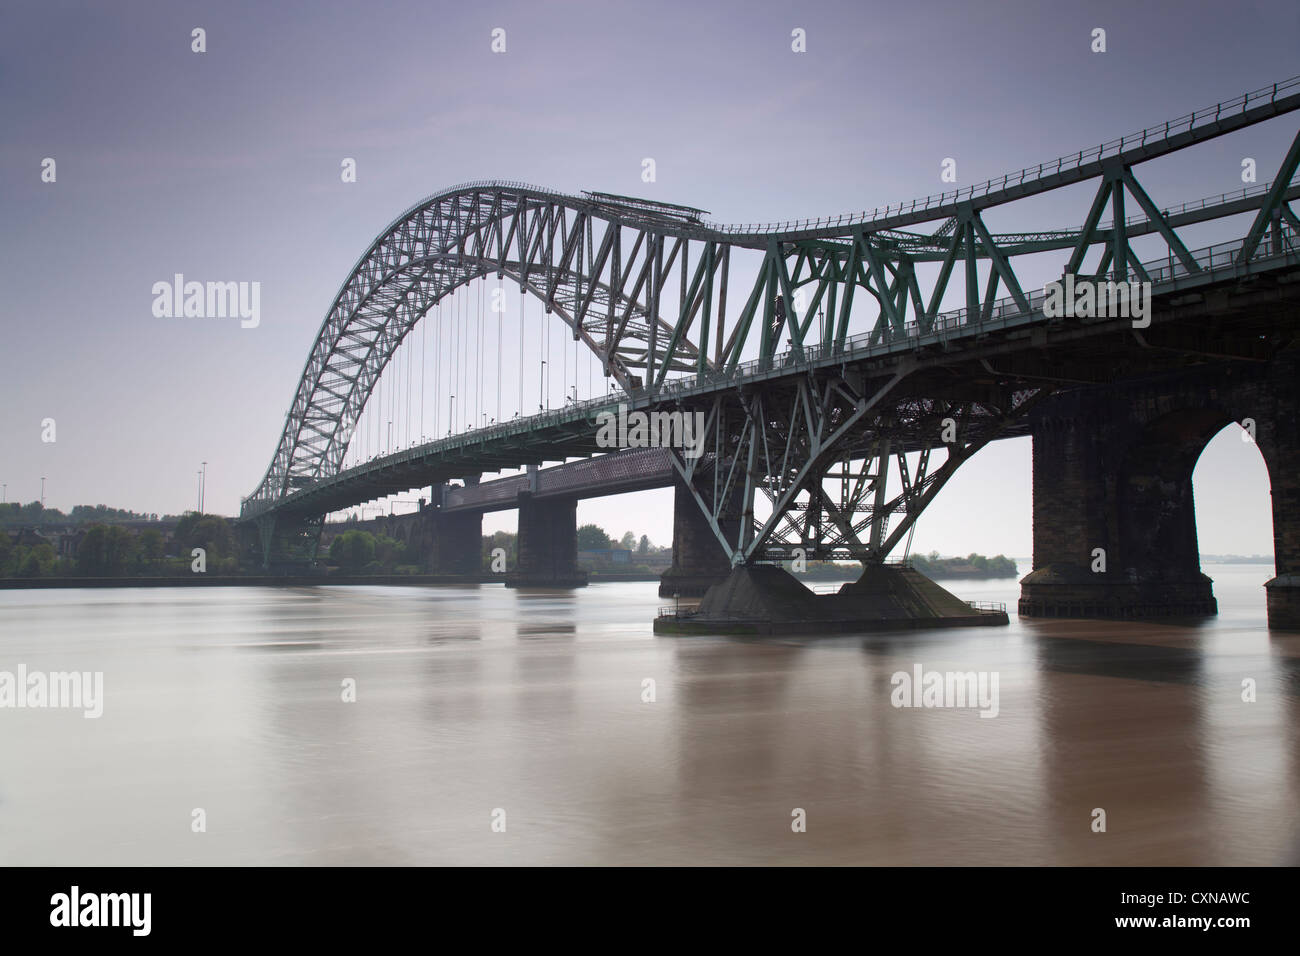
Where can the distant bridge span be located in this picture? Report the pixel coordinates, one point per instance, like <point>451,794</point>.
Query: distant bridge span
<point>617,473</point>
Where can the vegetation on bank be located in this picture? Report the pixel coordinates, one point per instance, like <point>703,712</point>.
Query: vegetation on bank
<point>113,550</point>
<point>100,542</point>
<point>975,566</point>
<point>357,551</point>
<point>971,566</point>
<point>15,516</point>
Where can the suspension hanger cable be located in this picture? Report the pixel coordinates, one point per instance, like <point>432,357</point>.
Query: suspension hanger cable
<point>437,324</point>
<point>521,305</point>
<point>424,360</point>
<point>500,300</point>
<point>478,352</point>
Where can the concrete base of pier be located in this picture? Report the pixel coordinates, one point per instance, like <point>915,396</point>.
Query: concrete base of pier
<point>768,600</point>
<point>573,579</point>
<point>1067,590</point>
<point>1284,602</point>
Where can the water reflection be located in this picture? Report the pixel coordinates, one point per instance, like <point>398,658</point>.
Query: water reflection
<point>604,744</point>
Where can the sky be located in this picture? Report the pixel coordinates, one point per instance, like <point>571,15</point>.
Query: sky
<point>225,166</point>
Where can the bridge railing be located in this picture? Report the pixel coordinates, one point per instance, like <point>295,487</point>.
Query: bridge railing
<point>1198,119</point>
<point>1192,205</point>
<point>957,322</point>
<point>677,613</point>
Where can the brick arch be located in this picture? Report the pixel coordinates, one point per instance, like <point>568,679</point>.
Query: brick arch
<point>1113,470</point>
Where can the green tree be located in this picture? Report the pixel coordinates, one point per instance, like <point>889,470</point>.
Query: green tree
<point>628,541</point>
<point>389,552</point>
<point>508,541</point>
<point>106,551</point>
<point>1001,566</point>
<point>644,546</point>
<point>37,561</point>
<point>151,548</point>
<point>91,552</point>
<point>209,532</point>
<point>593,538</point>
<point>121,550</point>
<point>353,550</point>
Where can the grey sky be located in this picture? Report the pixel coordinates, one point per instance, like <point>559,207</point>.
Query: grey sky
<point>225,166</point>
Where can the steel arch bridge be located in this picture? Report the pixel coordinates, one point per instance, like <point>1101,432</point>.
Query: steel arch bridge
<point>643,286</point>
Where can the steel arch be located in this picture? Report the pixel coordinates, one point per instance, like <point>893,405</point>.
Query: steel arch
<point>544,241</point>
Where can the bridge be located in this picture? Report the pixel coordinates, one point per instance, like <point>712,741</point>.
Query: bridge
<point>824,399</point>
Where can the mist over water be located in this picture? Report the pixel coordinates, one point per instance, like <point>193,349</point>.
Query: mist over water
<point>470,700</point>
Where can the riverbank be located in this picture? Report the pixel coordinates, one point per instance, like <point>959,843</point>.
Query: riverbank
<point>310,580</point>
<point>246,581</point>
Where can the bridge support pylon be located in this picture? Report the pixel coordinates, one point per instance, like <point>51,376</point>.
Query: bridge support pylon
<point>547,544</point>
<point>1114,520</point>
<point>457,543</point>
<point>699,560</point>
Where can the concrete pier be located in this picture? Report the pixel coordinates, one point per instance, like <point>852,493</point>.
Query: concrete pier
<point>762,599</point>
<point>548,544</point>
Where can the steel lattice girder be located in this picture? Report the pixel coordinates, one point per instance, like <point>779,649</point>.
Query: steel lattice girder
<point>603,264</point>
<point>789,443</point>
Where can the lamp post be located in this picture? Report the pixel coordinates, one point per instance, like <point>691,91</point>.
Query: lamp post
<point>203,486</point>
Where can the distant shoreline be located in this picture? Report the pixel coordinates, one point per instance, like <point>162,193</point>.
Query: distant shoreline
<point>317,580</point>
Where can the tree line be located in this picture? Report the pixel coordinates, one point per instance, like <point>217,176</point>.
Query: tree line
<point>111,550</point>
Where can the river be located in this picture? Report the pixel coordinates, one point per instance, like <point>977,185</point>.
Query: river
<point>492,726</point>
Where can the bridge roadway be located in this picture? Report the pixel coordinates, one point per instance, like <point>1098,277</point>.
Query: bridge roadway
<point>616,473</point>
<point>955,357</point>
